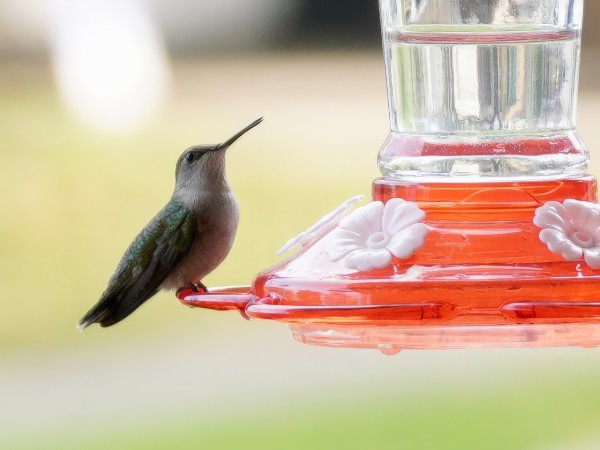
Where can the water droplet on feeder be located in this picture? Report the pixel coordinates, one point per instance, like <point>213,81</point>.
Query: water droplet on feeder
<point>388,349</point>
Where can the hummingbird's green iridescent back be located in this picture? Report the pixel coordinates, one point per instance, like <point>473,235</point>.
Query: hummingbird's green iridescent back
<point>152,255</point>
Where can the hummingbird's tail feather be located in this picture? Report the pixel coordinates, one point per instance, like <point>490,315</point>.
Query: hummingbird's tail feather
<point>98,312</point>
<point>111,309</point>
<point>94,315</point>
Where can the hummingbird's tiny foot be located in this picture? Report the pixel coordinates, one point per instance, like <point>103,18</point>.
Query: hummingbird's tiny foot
<point>198,287</point>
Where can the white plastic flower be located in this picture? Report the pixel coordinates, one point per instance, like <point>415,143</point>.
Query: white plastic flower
<point>571,229</point>
<point>327,223</point>
<point>367,238</point>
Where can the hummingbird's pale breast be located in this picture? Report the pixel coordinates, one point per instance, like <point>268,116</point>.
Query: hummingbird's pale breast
<point>217,225</point>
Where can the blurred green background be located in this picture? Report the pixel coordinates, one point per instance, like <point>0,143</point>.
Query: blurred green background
<point>77,186</point>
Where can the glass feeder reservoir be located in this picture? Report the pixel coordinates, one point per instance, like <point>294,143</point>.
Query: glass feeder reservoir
<point>484,230</point>
<point>482,88</point>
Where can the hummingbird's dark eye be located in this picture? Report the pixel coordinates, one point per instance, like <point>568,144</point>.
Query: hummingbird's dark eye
<point>189,157</point>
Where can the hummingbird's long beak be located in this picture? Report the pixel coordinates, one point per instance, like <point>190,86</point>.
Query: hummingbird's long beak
<point>235,137</point>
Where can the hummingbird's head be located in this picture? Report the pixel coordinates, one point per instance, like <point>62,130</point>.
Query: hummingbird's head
<point>203,166</point>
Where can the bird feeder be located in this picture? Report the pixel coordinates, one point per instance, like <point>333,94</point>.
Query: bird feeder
<point>484,230</point>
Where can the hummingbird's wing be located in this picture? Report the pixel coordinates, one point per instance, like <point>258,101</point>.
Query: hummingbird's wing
<point>150,258</point>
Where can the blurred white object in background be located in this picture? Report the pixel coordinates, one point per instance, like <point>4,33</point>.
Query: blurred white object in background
<point>109,57</point>
<point>109,61</point>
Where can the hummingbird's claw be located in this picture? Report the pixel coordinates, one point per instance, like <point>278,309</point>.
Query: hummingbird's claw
<point>198,287</point>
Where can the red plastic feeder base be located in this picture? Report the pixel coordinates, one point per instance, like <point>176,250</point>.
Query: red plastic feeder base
<point>482,278</point>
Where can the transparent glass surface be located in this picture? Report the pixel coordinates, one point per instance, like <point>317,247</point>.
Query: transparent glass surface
<point>482,88</point>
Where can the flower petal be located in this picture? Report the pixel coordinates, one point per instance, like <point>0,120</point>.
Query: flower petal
<point>585,216</point>
<point>560,244</point>
<point>341,243</point>
<point>399,214</point>
<point>365,220</point>
<point>364,259</point>
<point>553,215</point>
<point>405,243</point>
<point>592,257</point>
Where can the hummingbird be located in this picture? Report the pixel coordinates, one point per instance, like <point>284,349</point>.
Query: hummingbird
<point>183,243</point>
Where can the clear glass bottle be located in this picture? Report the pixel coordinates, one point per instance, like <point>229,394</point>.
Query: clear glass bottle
<point>482,89</point>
